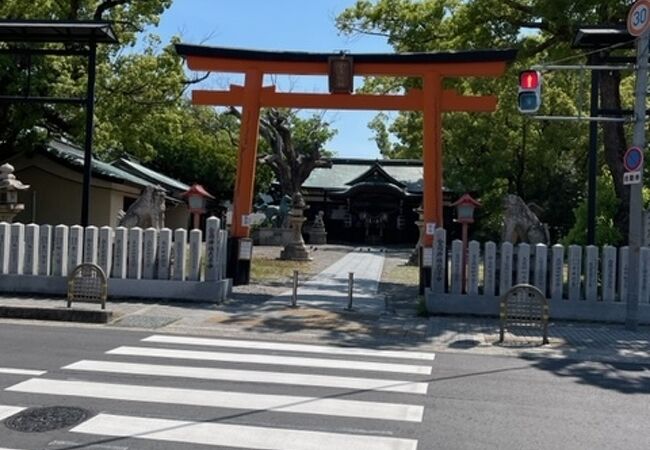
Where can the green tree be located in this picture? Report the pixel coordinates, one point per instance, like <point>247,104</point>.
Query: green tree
<point>543,162</point>
<point>292,147</point>
<point>606,231</point>
<point>21,126</point>
<point>141,110</point>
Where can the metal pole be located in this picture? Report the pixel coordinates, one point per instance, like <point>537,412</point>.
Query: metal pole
<point>294,296</point>
<point>631,318</point>
<point>90,113</point>
<point>593,157</point>
<point>350,290</point>
<point>464,271</point>
<point>581,67</point>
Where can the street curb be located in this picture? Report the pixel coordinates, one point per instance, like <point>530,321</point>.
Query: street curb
<point>56,314</point>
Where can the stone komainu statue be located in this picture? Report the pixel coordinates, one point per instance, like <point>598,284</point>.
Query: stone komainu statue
<point>147,211</point>
<point>520,224</point>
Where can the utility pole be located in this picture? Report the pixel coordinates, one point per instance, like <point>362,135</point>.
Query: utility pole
<point>638,24</point>
<point>636,201</point>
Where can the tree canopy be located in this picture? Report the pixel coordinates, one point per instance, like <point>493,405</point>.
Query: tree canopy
<point>493,154</point>
<point>141,110</point>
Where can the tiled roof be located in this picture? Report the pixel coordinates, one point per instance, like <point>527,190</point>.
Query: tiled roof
<point>343,171</point>
<point>121,171</point>
<point>151,175</point>
<point>74,157</point>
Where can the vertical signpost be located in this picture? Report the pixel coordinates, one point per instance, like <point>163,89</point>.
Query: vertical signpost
<point>638,24</point>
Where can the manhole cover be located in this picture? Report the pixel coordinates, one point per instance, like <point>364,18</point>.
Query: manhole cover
<point>36,420</point>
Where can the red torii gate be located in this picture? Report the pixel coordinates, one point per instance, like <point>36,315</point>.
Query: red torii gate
<point>432,100</point>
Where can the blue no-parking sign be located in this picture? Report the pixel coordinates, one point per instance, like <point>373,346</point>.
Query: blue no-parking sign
<point>633,159</point>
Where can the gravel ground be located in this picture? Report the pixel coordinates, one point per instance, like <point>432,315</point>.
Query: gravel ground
<point>323,256</point>
<point>399,282</point>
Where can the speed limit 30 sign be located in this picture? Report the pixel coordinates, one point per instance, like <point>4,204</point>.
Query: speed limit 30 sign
<point>638,19</point>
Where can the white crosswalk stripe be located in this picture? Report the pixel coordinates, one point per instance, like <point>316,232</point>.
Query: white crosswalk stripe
<point>12,371</point>
<point>222,399</point>
<point>305,348</point>
<point>233,390</point>
<point>8,411</point>
<point>250,376</point>
<point>278,360</point>
<point>236,435</point>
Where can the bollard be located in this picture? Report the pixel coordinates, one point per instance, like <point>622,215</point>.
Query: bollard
<point>294,296</point>
<point>350,289</point>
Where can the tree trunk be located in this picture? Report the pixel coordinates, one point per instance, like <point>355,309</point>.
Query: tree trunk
<point>615,146</point>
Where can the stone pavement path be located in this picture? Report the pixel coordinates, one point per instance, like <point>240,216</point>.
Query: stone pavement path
<point>329,289</point>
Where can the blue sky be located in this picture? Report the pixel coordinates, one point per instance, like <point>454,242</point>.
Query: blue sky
<point>305,25</point>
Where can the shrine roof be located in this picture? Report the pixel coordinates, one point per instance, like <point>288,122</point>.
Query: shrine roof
<point>347,170</point>
<point>488,55</point>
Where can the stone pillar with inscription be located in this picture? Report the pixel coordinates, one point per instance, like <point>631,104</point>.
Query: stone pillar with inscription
<point>473,252</point>
<point>5,237</point>
<point>17,250</point>
<point>196,239</point>
<point>134,259</point>
<point>60,251</point>
<point>505,276</point>
<point>644,274</point>
<point>623,272</point>
<point>439,266</point>
<point>456,266</point>
<point>557,272</point>
<point>575,272</point>
<point>180,248</point>
<point>105,257</point>
<point>541,267</point>
<point>523,263</point>
<point>591,273</point>
<point>609,273</point>
<point>75,247</point>
<point>150,250</point>
<point>164,253</point>
<point>120,253</point>
<point>31,250</point>
<point>489,269</point>
<point>91,239</point>
<point>45,250</point>
<point>212,250</point>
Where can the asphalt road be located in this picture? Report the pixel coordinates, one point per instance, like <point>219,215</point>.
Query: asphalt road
<point>148,391</point>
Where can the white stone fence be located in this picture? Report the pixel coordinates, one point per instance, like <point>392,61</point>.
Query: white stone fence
<point>583,283</point>
<point>139,263</point>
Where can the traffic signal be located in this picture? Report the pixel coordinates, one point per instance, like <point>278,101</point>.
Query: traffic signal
<point>530,91</point>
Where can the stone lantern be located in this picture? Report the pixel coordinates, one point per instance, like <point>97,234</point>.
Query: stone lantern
<point>9,187</point>
<point>295,250</point>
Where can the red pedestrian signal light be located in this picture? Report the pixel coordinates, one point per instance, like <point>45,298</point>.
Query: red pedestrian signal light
<point>530,91</point>
<point>529,79</point>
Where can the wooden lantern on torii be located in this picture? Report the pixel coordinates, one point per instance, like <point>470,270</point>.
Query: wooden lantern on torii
<point>432,99</point>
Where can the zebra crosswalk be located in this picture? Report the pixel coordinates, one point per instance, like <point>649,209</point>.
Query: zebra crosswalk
<point>281,395</point>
